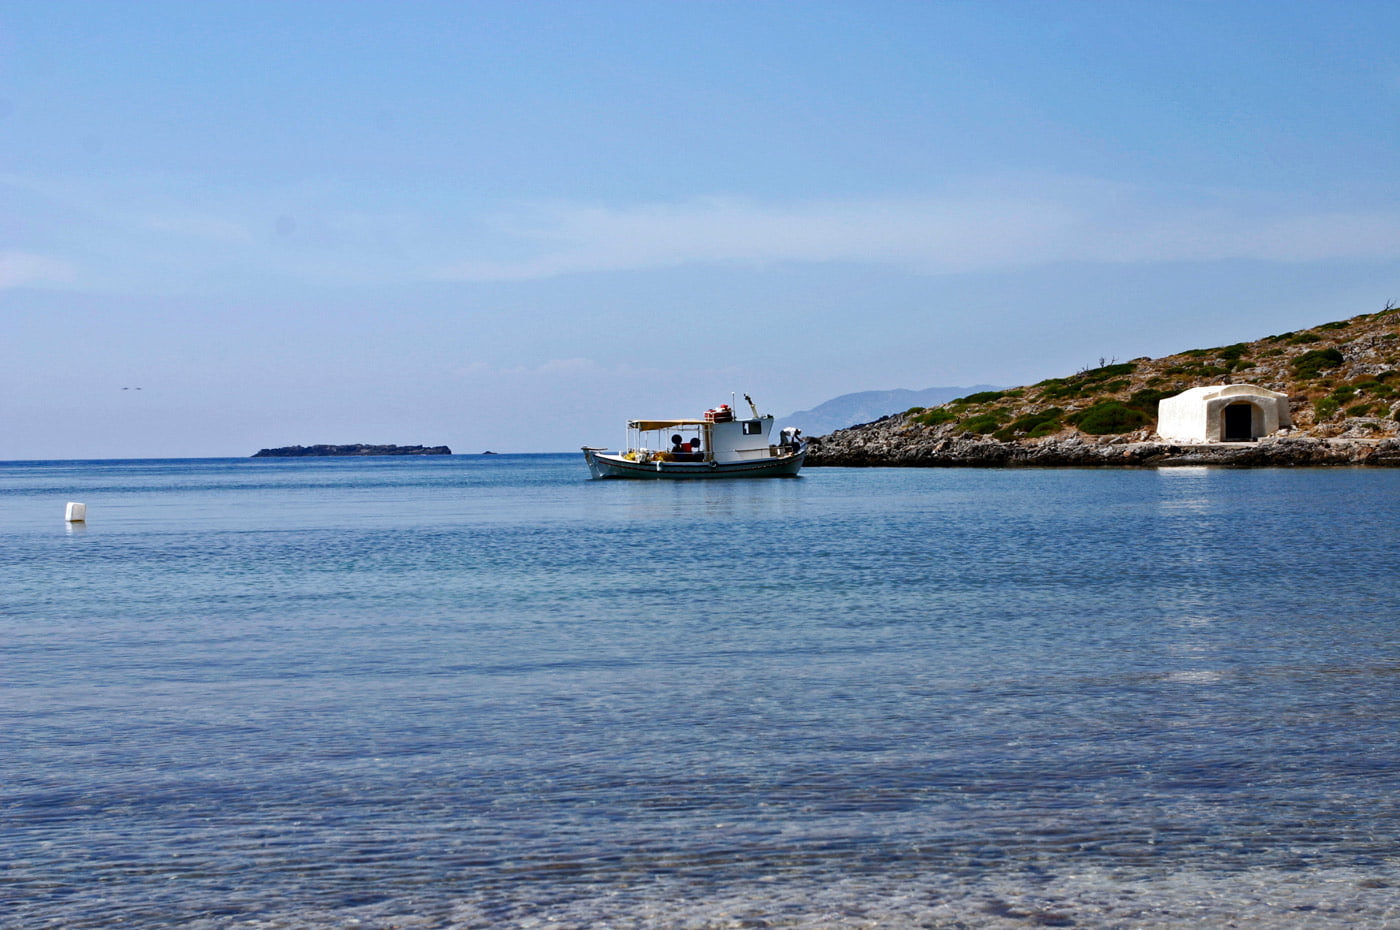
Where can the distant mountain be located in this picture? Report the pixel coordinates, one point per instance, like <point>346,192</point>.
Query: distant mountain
<point>868,406</point>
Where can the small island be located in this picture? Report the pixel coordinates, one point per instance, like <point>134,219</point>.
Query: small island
<point>287,452</point>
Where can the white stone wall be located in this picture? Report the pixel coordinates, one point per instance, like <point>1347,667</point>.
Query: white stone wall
<point>1198,414</point>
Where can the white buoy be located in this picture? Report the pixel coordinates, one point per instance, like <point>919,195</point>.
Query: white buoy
<point>77,513</point>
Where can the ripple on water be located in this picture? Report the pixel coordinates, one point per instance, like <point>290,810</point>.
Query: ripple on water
<point>1259,899</point>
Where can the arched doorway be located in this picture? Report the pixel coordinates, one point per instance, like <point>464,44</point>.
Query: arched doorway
<point>1239,423</point>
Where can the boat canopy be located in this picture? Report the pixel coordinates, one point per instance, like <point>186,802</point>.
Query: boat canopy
<point>646,425</point>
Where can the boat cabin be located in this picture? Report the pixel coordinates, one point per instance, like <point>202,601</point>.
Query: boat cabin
<point>719,436</point>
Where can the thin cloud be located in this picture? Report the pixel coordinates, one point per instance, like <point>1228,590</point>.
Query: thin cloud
<point>1088,222</point>
<point>581,369</point>
<point>211,228</point>
<point>22,269</point>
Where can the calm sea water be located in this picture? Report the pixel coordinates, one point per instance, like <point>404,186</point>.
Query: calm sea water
<point>477,692</point>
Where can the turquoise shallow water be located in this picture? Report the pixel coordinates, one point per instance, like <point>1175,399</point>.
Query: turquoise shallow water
<point>485,691</point>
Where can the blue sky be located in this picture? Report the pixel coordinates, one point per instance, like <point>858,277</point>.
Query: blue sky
<point>510,226</point>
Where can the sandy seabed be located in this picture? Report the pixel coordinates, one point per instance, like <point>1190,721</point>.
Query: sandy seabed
<point>1260,900</point>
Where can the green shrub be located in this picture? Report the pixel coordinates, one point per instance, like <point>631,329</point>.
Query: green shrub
<point>1313,363</point>
<point>1343,394</point>
<point>1359,410</point>
<point>1062,392</point>
<point>1198,371</point>
<point>1339,324</point>
<point>1325,408</point>
<point>1113,387</point>
<point>1032,425</point>
<point>1087,382</point>
<point>984,423</point>
<point>934,416</point>
<point>1108,371</point>
<point>981,397</point>
<point>914,411</point>
<point>1231,353</point>
<point>1109,416</point>
<point>1146,400</point>
<point>1300,338</point>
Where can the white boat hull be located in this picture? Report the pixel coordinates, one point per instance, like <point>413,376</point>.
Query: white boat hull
<point>603,465</point>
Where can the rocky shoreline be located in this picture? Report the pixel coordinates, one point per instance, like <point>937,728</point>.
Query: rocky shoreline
<point>357,449</point>
<point>870,446</point>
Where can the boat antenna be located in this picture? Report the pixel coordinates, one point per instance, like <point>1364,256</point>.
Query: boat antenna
<point>751,406</point>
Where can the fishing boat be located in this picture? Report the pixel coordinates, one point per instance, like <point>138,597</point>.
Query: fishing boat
<point>715,445</point>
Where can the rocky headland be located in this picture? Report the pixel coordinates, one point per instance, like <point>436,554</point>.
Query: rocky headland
<point>358,449</point>
<point>1342,380</point>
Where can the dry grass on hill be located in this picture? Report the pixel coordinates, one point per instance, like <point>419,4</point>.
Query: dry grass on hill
<point>1342,379</point>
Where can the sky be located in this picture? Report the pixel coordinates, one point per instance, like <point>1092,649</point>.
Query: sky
<point>513,225</point>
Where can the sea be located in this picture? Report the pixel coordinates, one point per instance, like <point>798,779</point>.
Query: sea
<point>487,691</point>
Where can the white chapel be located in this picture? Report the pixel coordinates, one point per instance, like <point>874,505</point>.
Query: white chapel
<point>1222,413</point>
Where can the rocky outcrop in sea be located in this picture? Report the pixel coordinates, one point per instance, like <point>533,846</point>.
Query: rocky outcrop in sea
<point>357,449</point>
